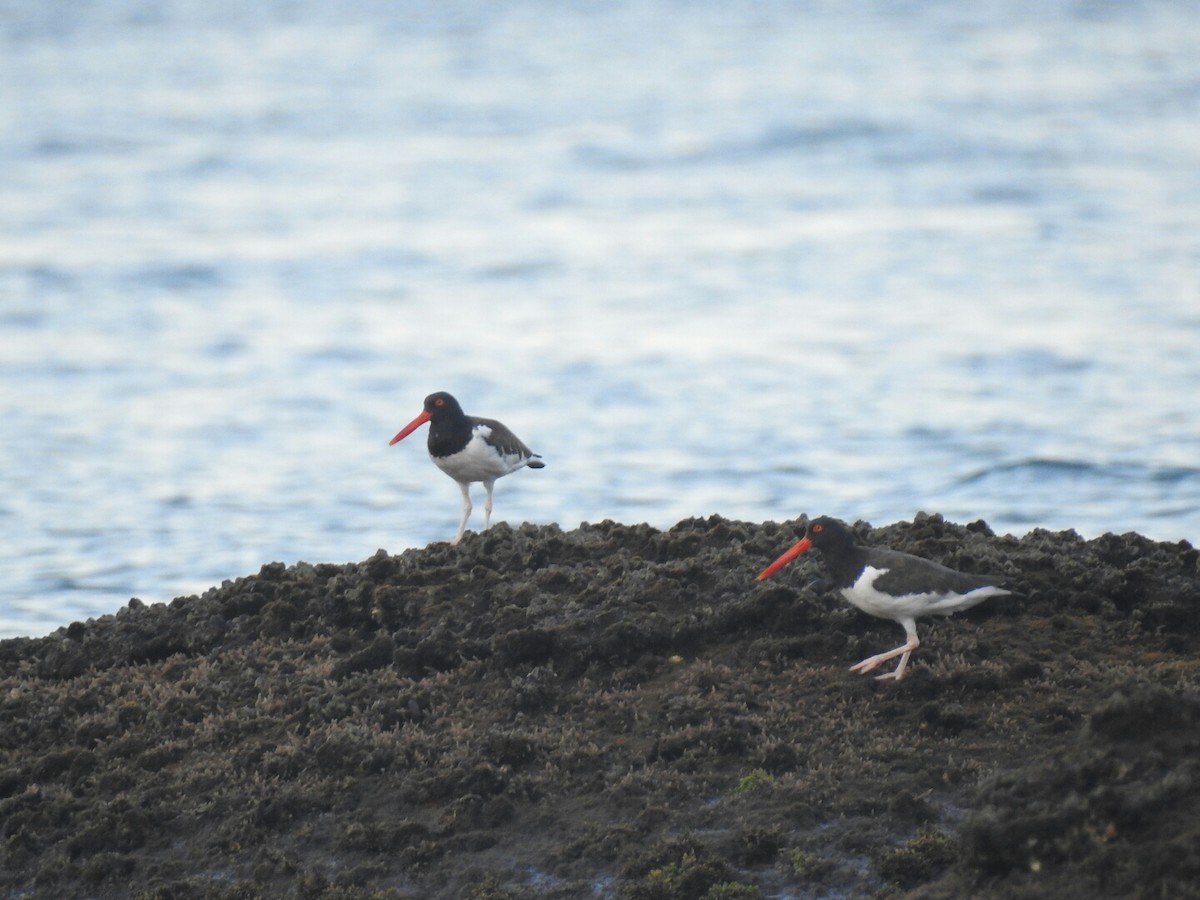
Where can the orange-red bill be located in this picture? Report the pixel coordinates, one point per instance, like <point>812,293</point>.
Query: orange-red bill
<point>803,544</point>
<point>411,427</point>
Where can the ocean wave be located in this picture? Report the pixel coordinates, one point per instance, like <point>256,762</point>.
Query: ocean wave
<point>1052,469</point>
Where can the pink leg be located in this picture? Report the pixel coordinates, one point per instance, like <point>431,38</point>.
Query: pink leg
<point>466,512</point>
<point>487,506</point>
<point>904,652</point>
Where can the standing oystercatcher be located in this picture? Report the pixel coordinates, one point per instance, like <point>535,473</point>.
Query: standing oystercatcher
<point>889,584</point>
<point>468,448</point>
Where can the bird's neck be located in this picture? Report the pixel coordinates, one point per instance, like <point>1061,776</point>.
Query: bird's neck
<point>449,435</point>
<point>845,564</point>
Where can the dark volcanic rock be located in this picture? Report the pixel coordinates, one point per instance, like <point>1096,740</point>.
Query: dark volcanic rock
<point>619,712</point>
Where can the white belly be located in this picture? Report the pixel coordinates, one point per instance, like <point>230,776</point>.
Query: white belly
<point>911,606</point>
<point>479,460</point>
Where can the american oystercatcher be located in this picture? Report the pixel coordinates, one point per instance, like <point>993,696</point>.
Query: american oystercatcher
<point>889,584</point>
<point>468,448</point>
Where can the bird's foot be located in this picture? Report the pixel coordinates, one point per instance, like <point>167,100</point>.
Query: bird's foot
<point>870,664</point>
<point>874,662</point>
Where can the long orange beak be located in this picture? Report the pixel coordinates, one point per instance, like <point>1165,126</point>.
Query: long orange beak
<point>411,426</point>
<point>803,544</point>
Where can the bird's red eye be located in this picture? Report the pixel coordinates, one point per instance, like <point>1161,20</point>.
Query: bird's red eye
<point>439,402</point>
<point>817,528</point>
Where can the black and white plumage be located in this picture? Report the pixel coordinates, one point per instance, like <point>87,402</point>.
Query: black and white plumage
<point>889,584</point>
<point>468,448</point>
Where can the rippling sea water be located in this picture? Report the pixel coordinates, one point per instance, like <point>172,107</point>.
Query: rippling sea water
<point>745,258</point>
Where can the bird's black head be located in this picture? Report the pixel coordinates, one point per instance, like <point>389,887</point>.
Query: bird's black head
<point>826,532</point>
<point>442,404</point>
<point>441,409</point>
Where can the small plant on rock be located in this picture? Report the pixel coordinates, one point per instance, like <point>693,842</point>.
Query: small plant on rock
<point>757,780</point>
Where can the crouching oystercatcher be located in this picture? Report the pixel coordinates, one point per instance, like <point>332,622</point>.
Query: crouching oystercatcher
<point>889,584</point>
<point>468,448</point>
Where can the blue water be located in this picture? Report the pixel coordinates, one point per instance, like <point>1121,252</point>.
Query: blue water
<point>749,258</point>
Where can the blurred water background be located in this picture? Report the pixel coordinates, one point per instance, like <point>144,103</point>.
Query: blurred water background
<point>749,258</point>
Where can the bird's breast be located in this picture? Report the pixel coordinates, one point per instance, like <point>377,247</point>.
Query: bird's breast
<point>864,595</point>
<point>478,460</point>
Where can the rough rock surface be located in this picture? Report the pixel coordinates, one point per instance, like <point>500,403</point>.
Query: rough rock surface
<point>617,711</point>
